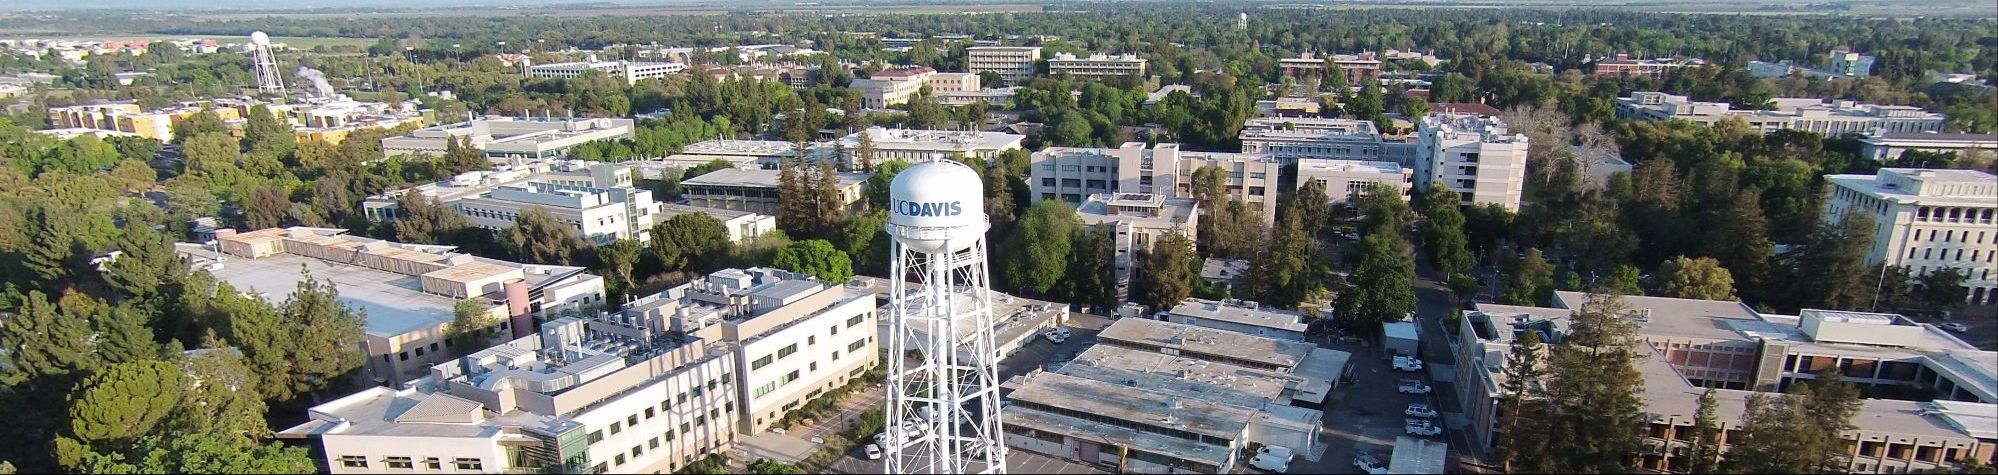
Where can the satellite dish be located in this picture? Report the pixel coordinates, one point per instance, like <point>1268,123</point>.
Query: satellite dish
<point>260,39</point>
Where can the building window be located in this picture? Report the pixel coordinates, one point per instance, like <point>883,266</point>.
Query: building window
<point>814,367</point>
<point>636,450</point>
<point>615,429</point>
<point>631,421</point>
<point>760,363</point>
<point>353,461</point>
<point>855,346</point>
<point>684,428</point>
<point>648,413</point>
<point>433,463</point>
<point>468,463</point>
<point>652,444</point>
<point>854,321</point>
<point>787,350</point>
<point>596,436</point>
<point>400,462</point>
<point>619,460</point>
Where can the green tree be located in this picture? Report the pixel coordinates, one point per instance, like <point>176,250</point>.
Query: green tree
<point>1166,274</point>
<point>537,237</point>
<point>620,256</point>
<point>1090,278</point>
<point>1626,281</point>
<point>1700,278</point>
<point>829,203</point>
<point>472,325</point>
<point>203,454</point>
<point>1530,281</point>
<point>1285,273</point>
<point>1042,247</point>
<point>771,467</point>
<point>1443,233</point>
<point>423,220</point>
<point>690,241</point>
<point>1524,401</point>
<point>1943,288</point>
<point>1380,289</point>
<point>1829,269</point>
<point>460,156</point>
<point>325,338</point>
<point>1593,391</point>
<point>112,409</point>
<point>817,258</point>
<point>865,240</point>
<point>1798,432</point>
<point>795,200</point>
<point>863,152</point>
<point>876,187</point>
<point>264,133</point>
<point>267,208</point>
<point>1704,455</point>
<point>999,207</point>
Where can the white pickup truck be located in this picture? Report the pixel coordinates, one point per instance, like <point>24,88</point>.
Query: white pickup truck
<point>1410,386</point>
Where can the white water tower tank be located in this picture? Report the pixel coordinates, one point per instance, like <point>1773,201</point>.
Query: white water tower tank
<point>937,206</point>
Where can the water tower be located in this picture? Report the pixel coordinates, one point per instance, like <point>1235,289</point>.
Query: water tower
<point>943,378</point>
<point>265,63</point>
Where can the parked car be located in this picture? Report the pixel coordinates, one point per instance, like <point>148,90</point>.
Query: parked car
<point>873,452</point>
<point>1407,363</point>
<point>1953,326</point>
<point>1062,332</point>
<point>1368,463</point>
<point>1274,458</point>
<point>1420,427</point>
<point>1419,410</point>
<point>1414,387</point>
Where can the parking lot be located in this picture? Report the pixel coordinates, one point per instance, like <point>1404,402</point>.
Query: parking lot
<point>1366,414</point>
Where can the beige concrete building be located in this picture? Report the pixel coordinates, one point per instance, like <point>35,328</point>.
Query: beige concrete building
<point>1346,181</point>
<point>1475,156</point>
<point>1136,220</point>
<point>1237,316</point>
<point>915,145</point>
<point>408,292</point>
<point>1289,139</point>
<point>1697,344</point>
<point>1097,65</point>
<point>599,394</point>
<point>1073,174</point>
<point>628,71</point>
<point>794,337</point>
<point>1829,119</point>
<point>1927,220</point>
<point>1015,63</point>
<point>755,191</point>
<point>506,138</point>
<point>597,199</point>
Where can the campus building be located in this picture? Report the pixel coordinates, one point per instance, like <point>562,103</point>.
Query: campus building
<point>1136,220</point>
<point>1623,65</point>
<point>1346,181</point>
<point>1237,316</point>
<point>794,337</point>
<point>1159,397</point>
<point>1829,119</point>
<point>755,190</point>
<point>408,292</point>
<point>1097,65</point>
<point>1475,156</point>
<point>1289,139</point>
<point>505,138</point>
<point>595,394</point>
<point>1356,68</point>
<point>916,145</point>
<point>1927,220</point>
<point>1691,345</point>
<point>1014,63</point>
<point>1073,174</point>
<point>597,199</point>
<point>629,71</point>
<point>1888,147</point>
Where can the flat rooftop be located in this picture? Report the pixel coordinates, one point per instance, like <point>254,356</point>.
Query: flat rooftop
<point>934,140</point>
<point>751,148</point>
<point>1225,312</point>
<point>1666,391</point>
<point>1676,317</point>
<point>1084,428</point>
<point>1179,376</point>
<point>1321,165</point>
<point>394,304</point>
<point>669,210</point>
<point>1133,402</point>
<point>758,178</point>
<point>1208,341</point>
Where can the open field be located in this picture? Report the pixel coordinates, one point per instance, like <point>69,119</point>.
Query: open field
<point>299,42</point>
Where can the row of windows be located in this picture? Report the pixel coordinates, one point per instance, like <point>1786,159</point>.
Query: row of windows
<point>1949,235</point>
<point>1953,215</point>
<point>1930,253</point>
<point>407,463</point>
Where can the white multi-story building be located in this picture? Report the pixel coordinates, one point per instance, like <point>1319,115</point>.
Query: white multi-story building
<point>1888,147</point>
<point>1474,156</point>
<point>755,191</point>
<point>598,199</point>
<point>408,292</point>
<point>628,71</point>
<point>1291,138</point>
<point>1346,181</point>
<point>1830,119</point>
<point>1136,221</point>
<point>743,226</point>
<point>504,138</point>
<point>586,395</point>
<point>1074,174</point>
<point>1015,63</point>
<point>915,145</point>
<point>794,337</point>
<point>892,86</point>
<point>1927,220</point>
<point>1097,65</point>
